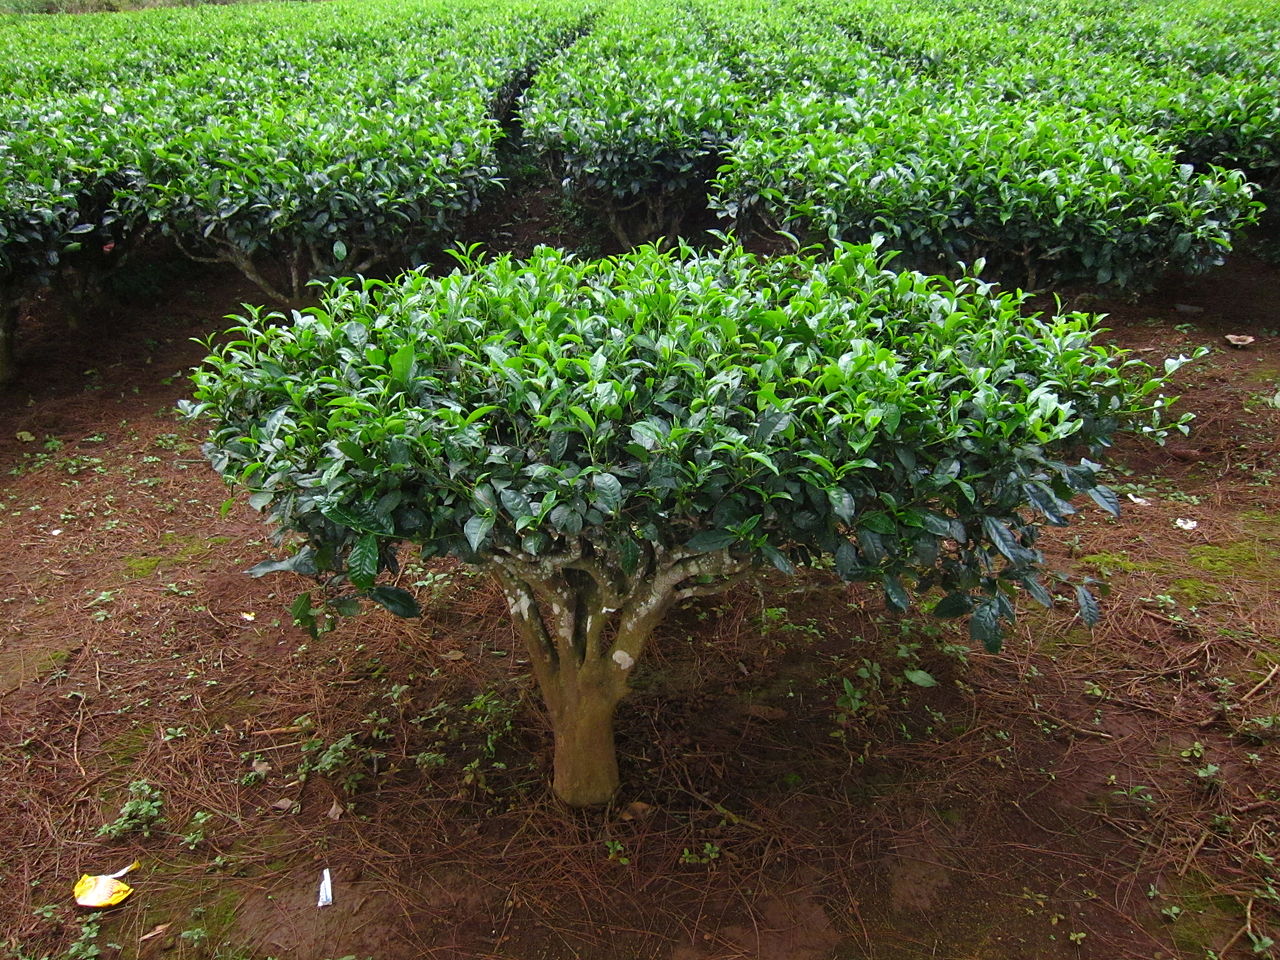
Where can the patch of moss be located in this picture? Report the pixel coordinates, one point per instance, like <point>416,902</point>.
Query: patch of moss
<point>1252,559</point>
<point>189,897</point>
<point>1076,636</point>
<point>187,542</point>
<point>232,712</point>
<point>21,667</point>
<point>124,748</point>
<point>1108,564</point>
<point>1263,525</point>
<point>141,567</point>
<point>186,549</point>
<point>1265,371</point>
<point>1206,919</point>
<point>1191,592</point>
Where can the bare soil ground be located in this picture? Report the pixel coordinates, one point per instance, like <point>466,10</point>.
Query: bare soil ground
<point>794,787</point>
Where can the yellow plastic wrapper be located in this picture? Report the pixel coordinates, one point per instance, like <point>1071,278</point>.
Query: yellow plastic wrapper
<point>104,891</point>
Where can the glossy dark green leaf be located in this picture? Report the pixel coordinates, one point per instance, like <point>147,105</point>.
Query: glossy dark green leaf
<point>847,563</point>
<point>362,562</point>
<point>301,562</point>
<point>709,541</point>
<point>896,593</point>
<point>1106,498</point>
<point>477,529</point>
<point>1090,612</point>
<point>608,490</point>
<point>984,626</point>
<point>399,602</point>
<point>515,502</point>
<point>953,605</point>
<point>1004,541</point>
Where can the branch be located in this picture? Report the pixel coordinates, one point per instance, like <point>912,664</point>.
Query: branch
<point>524,608</point>
<point>544,561</point>
<point>536,594</point>
<point>645,607</point>
<point>687,566</point>
<point>177,240</point>
<point>609,593</point>
<point>713,588</point>
<point>245,266</point>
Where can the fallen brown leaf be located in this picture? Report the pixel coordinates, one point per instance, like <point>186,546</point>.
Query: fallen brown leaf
<point>636,810</point>
<point>762,711</point>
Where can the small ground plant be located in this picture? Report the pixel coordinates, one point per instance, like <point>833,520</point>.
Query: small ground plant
<point>138,814</point>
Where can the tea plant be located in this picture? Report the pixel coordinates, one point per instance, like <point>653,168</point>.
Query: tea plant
<point>611,438</point>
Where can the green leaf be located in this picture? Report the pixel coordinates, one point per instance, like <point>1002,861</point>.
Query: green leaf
<point>515,503</point>
<point>1043,499</point>
<point>953,605</point>
<point>629,555</point>
<point>608,490</point>
<point>984,626</point>
<point>356,517</point>
<point>848,566</point>
<point>402,363</point>
<point>567,520</point>
<point>301,562</point>
<point>1037,590</point>
<point>709,541</point>
<point>346,607</point>
<point>300,609</point>
<point>1004,540</point>
<point>921,678</point>
<point>896,593</point>
<point>1106,498</point>
<point>878,522</point>
<point>872,547</point>
<point>476,529</point>
<point>339,251</point>
<point>779,560</point>
<point>362,562</point>
<point>1090,612</point>
<point>400,602</point>
<point>842,503</point>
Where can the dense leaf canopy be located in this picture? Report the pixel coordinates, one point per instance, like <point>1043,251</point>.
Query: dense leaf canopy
<point>913,429</point>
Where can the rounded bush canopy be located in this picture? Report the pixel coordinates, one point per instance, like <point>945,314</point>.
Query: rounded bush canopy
<point>914,429</point>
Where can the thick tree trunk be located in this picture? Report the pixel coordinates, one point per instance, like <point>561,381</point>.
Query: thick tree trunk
<point>8,333</point>
<point>586,624</point>
<point>582,708</point>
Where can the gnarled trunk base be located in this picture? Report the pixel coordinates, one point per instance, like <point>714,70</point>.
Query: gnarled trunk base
<point>586,761</point>
<point>586,621</point>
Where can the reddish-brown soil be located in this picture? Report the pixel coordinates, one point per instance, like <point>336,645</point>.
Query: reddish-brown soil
<point>1105,794</point>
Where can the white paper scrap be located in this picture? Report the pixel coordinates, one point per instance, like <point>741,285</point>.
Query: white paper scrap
<point>326,890</point>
